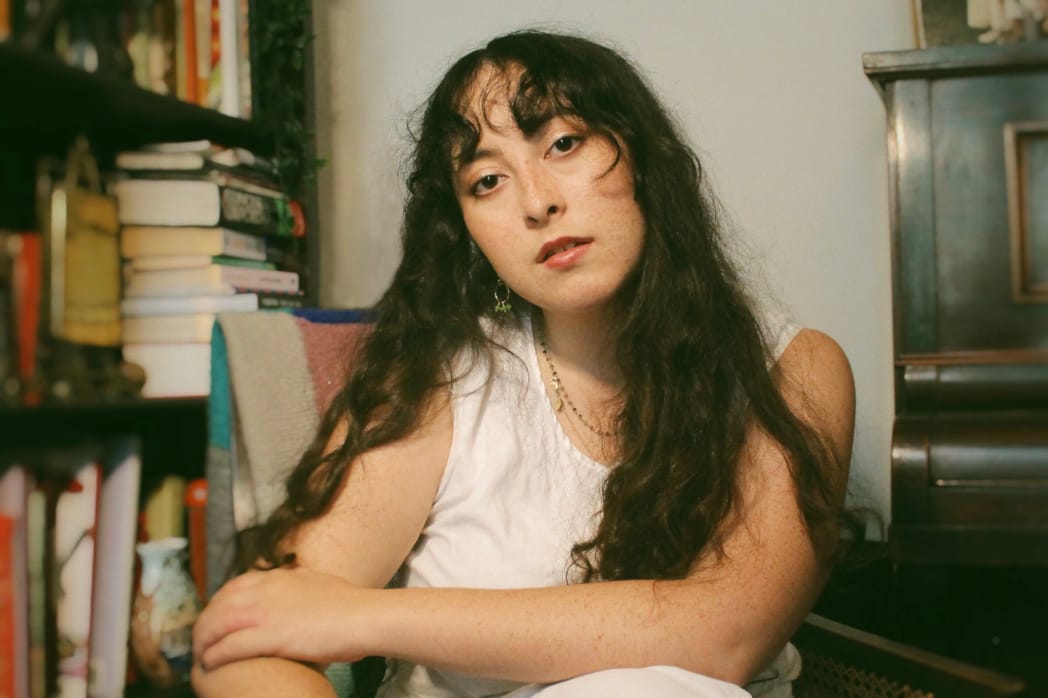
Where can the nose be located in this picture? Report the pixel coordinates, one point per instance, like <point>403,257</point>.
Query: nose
<point>542,199</point>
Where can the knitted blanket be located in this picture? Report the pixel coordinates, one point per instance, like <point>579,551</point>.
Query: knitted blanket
<point>272,376</point>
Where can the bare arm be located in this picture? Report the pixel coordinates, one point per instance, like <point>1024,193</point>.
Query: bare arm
<point>726,620</point>
<point>365,535</point>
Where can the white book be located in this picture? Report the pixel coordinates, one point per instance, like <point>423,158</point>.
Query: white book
<point>213,279</point>
<point>76,514</point>
<point>168,329</point>
<point>184,305</point>
<point>115,539</point>
<point>173,370</point>
<point>186,202</point>
<point>228,34</point>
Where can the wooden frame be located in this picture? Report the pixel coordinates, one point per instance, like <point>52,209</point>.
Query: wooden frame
<point>1027,285</point>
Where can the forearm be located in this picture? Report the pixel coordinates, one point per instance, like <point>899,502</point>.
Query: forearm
<point>260,678</point>
<point>549,634</point>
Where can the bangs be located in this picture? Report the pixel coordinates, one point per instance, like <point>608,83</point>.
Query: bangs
<point>532,103</point>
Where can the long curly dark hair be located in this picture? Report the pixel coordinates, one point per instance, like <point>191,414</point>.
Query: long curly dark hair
<point>689,335</point>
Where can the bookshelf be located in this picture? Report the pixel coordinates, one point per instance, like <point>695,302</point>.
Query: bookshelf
<point>45,105</point>
<point>55,101</point>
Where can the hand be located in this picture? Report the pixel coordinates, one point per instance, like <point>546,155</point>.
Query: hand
<point>292,613</point>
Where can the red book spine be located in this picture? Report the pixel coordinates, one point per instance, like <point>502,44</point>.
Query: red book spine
<point>196,508</point>
<point>8,656</point>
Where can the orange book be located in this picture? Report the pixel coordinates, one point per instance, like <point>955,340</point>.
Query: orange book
<point>27,284</point>
<point>189,52</point>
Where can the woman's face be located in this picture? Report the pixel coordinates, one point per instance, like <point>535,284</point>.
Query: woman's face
<point>552,211</point>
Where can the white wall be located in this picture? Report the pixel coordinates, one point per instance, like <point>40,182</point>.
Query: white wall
<point>771,93</point>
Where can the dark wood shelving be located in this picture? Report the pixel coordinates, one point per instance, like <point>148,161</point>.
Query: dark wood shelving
<point>56,101</point>
<point>173,431</point>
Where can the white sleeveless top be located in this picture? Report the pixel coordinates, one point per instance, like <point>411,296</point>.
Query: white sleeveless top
<point>516,495</point>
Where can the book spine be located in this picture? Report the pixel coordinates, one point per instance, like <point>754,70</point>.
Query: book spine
<point>244,58</point>
<point>259,214</point>
<point>229,95</point>
<point>115,545</point>
<point>7,609</point>
<point>74,544</point>
<point>202,22</point>
<point>260,279</point>
<point>27,285</point>
<point>188,66</point>
<point>37,589</point>
<point>280,301</point>
<point>214,81</point>
<point>15,485</point>
<point>196,516</point>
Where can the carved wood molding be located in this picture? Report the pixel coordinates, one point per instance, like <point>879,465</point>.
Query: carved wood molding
<point>1026,170</point>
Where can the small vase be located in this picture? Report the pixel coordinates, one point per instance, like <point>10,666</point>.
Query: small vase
<point>166,606</point>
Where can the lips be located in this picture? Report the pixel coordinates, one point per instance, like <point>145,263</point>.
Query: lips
<point>558,246</point>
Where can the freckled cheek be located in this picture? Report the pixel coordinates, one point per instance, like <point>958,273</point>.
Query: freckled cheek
<point>492,237</point>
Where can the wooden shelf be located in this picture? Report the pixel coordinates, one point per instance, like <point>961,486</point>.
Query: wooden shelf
<point>173,431</point>
<point>52,101</point>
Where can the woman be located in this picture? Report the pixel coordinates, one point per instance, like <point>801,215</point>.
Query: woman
<point>581,445</point>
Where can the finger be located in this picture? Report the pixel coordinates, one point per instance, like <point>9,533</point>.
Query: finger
<point>236,646</point>
<point>220,620</point>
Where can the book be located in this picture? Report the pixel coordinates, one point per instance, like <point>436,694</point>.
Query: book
<point>196,202</point>
<point>173,370</point>
<point>196,523</point>
<point>184,305</point>
<point>213,279</point>
<point>243,59</point>
<point>115,540</point>
<point>228,33</point>
<point>27,297</point>
<point>156,159</point>
<point>76,513</point>
<point>150,241</point>
<point>165,509</point>
<point>187,66</point>
<point>5,19</point>
<point>37,555</point>
<point>168,329</point>
<point>191,261</point>
<point>8,317</point>
<point>202,8</point>
<point>213,93</point>
<point>8,623</point>
<point>161,42</point>
<point>15,484</point>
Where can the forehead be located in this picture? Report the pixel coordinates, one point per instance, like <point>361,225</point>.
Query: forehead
<point>486,103</point>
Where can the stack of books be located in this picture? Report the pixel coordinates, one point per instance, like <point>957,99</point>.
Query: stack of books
<point>202,233</point>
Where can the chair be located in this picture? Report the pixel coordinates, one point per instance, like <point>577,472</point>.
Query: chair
<point>840,661</point>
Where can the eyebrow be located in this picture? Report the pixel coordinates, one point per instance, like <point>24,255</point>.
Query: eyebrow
<point>480,153</point>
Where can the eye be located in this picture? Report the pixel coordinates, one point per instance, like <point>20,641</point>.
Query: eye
<point>565,144</point>
<point>485,184</point>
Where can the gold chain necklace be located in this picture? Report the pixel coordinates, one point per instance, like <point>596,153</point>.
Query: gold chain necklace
<point>562,395</point>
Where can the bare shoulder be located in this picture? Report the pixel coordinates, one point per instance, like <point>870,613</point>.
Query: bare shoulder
<point>382,502</point>
<point>816,380</point>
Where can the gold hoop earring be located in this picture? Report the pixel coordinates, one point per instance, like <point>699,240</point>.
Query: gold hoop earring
<point>502,294</point>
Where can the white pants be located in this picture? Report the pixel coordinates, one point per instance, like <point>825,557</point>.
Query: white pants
<point>661,681</point>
